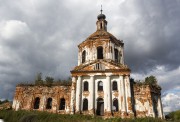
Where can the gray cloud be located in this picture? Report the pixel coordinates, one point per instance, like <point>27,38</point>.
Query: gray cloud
<point>150,32</point>
<point>42,36</point>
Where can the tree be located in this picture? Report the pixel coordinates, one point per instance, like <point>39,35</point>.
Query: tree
<point>151,80</point>
<point>4,101</point>
<point>38,79</point>
<point>49,80</point>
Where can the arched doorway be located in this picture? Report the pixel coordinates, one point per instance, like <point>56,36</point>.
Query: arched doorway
<point>100,107</point>
<point>85,104</point>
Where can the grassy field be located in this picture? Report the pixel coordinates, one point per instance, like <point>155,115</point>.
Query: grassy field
<point>35,116</point>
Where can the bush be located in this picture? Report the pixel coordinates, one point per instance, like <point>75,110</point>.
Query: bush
<point>175,116</point>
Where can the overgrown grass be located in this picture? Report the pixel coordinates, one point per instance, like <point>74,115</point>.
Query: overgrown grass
<point>174,116</point>
<point>36,116</point>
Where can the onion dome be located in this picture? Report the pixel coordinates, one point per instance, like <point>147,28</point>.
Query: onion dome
<point>101,16</point>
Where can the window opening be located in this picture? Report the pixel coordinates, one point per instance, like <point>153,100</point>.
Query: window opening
<point>85,86</point>
<point>62,104</point>
<point>100,52</point>
<point>83,56</point>
<point>49,103</point>
<point>36,103</point>
<point>114,85</point>
<point>101,25</point>
<point>100,86</point>
<point>116,55</point>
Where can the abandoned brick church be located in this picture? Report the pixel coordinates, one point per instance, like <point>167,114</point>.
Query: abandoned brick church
<point>100,84</point>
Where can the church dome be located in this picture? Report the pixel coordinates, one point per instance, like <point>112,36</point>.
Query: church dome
<point>101,16</point>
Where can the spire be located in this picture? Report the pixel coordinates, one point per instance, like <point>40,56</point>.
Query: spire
<point>101,9</point>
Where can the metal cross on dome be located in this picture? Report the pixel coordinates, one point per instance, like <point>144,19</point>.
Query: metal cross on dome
<point>101,9</point>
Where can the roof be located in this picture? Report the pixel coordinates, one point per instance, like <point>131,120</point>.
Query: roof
<point>104,34</point>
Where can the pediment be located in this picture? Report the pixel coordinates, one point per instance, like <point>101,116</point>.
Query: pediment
<point>100,65</point>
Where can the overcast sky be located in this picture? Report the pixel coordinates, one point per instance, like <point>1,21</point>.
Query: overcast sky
<point>42,36</point>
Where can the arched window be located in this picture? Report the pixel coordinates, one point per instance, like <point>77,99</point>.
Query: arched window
<point>100,86</point>
<point>101,25</point>
<point>114,85</point>
<point>62,104</point>
<point>100,52</point>
<point>83,56</point>
<point>115,105</point>
<point>85,104</point>
<point>49,103</point>
<point>85,86</point>
<point>116,55</point>
<point>36,103</point>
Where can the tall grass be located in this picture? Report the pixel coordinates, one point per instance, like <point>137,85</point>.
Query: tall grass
<point>36,116</point>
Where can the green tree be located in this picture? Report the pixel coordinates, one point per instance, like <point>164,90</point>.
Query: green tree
<point>4,101</point>
<point>49,80</point>
<point>151,80</point>
<point>38,79</point>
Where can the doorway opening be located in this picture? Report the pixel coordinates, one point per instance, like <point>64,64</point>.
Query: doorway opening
<point>100,107</point>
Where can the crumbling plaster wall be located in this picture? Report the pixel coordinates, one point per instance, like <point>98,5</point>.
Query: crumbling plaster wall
<point>144,101</point>
<point>90,46</point>
<point>24,97</point>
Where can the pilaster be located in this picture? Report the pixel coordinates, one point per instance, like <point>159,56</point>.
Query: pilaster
<point>92,94</point>
<point>78,94</point>
<point>123,97</point>
<point>108,96</point>
<point>73,95</point>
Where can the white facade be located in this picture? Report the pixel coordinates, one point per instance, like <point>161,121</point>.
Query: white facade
<point>107,94</point>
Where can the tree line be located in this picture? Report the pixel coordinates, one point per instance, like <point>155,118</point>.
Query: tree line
<point>48,81</point>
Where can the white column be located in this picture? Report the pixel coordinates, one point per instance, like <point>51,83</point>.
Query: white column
<point>73,95</point>
<point>128,93</point>
<point>120,93</point>
<point>108,93</point>
<point>123,94</point>
<point>160,111</point>
<point>91,94</point>
<point>78,94</point>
